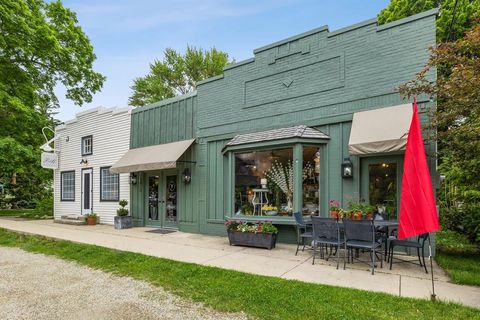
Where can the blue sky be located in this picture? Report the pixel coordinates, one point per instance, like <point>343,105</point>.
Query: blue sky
<point>128,35</point>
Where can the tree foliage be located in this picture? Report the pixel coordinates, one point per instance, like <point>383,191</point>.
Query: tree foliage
<point>177,74</point>
<point>41,46</point>
<point>457,119</point>
<point>465,14</point>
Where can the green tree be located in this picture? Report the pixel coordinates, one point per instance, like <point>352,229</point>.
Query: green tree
<point>41,46</point>
<point>465,14</point>
<point>457,120</point>
<point>177,74</point>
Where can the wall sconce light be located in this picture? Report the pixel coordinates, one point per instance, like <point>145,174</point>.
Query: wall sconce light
<point>187,175</point>
<point>347,168</point>
<point>133,179</point>
<point>84,161</point>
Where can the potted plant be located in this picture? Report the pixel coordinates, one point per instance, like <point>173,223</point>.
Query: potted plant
<point>123,220</point>
<point>91,218</point>
<point>356,211</point>
<point>369,211</point>
<point>258,234</point>
<point>335,210</point>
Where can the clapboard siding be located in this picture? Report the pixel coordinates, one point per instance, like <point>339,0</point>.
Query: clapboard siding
<point>110,129</point>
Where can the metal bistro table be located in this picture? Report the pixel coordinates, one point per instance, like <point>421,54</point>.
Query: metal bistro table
<point>387,224</point>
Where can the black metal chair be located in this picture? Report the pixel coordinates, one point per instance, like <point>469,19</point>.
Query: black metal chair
<point>326,231</point>
<point>303,230</point>
<point>360,234</point>
<point>419,245</point>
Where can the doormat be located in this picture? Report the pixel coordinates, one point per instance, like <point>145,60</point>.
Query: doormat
<point>161,231</point>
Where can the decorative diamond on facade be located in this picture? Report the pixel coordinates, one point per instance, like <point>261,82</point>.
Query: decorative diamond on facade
<point>287,82</point>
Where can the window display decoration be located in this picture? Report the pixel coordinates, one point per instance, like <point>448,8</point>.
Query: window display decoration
<point>282,176</point>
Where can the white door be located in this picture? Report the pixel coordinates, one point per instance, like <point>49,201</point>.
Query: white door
<point>87,190</point>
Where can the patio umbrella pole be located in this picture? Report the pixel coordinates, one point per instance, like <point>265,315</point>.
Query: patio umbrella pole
<point>433,296</point>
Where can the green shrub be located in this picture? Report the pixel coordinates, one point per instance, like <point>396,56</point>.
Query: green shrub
<point>449,241</point>
<point>122,211</point>
<point>45,206</point>
<point>471,214</point>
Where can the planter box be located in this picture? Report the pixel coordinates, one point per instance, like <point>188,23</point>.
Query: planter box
<point>124,222</point>
<point>250,239</point>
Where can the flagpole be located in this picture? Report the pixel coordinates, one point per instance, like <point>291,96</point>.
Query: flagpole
<point>433,296</point>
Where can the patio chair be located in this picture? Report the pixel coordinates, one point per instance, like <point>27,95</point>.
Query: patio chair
<point>326,231</point>
<point>385,233</point>
<point>360,234</point>
<point>303,230</point>
<point>419,245</point>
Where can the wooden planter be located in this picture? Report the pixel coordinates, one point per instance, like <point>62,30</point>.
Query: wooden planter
<point>91,221</point>
<point>124,222</point>
<point>250,239</point>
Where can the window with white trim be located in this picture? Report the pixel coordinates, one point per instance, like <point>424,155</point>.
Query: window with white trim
<point>87,145</point>
<point>67,186</point>
<point>109,185</point>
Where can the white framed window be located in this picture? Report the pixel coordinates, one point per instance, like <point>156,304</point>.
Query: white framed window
<point>109,185</point>
<point>87,145</point>
<point>67,186</point>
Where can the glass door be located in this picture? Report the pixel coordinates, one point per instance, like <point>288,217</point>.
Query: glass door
<point>87,191</point>
<point>162,200</point>
<point>381,179</point>
<point>170,194</point>
<point>153,216</point>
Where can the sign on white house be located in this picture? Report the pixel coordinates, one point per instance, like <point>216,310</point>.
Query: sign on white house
<point>49,160</point>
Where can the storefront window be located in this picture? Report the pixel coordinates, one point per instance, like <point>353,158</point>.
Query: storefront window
<point>264,182</point>
<point>311,180</point>
<point>382,188</point>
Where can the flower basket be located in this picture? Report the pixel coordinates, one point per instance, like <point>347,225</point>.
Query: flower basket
<point>250,239</point>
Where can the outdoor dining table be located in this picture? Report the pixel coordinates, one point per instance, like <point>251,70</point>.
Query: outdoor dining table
<point>378,223</point>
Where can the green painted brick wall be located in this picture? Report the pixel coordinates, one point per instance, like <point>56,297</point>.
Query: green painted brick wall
<point>318,78</point>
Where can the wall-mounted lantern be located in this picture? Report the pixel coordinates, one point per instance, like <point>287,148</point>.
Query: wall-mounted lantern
<point>347,168</point>
<point>187,175</point>
<point>133,179</point>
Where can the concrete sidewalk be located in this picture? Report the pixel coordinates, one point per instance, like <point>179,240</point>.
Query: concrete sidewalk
<point>405,279</point>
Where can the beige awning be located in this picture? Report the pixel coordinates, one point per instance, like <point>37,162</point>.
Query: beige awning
<point>381,130</point>
<point>161,156</point>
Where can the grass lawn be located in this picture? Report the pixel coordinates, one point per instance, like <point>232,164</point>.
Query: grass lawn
<point>458,257</point>
<point>258,296</point>
<point>14,212</point>
<point>23,213</point>
<point>462,268</point>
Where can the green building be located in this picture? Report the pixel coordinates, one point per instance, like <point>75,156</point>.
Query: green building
<point>309,119</point>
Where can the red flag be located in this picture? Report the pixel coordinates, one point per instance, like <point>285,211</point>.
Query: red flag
<point>418,211</point>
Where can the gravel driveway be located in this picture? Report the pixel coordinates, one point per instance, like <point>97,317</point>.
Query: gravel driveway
<point>34,286</point>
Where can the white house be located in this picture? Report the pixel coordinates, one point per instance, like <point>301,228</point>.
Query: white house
<point>87,146</point>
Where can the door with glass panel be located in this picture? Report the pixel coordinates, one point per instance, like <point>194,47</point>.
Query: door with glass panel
<point>162,199</point>
<point>87,191</point>
<point>381,180</point>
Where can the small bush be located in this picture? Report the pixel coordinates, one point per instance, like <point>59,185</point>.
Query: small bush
<point>122,211</point>
<point>45,206</point>
<point>455,243</point>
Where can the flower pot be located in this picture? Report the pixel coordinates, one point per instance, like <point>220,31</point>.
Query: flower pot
<point>334,214</point>
<point>357,215</point>
<point>91,221</point>
<point>123,222</point>
<point>369,216</point>
<point>250,239</point>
